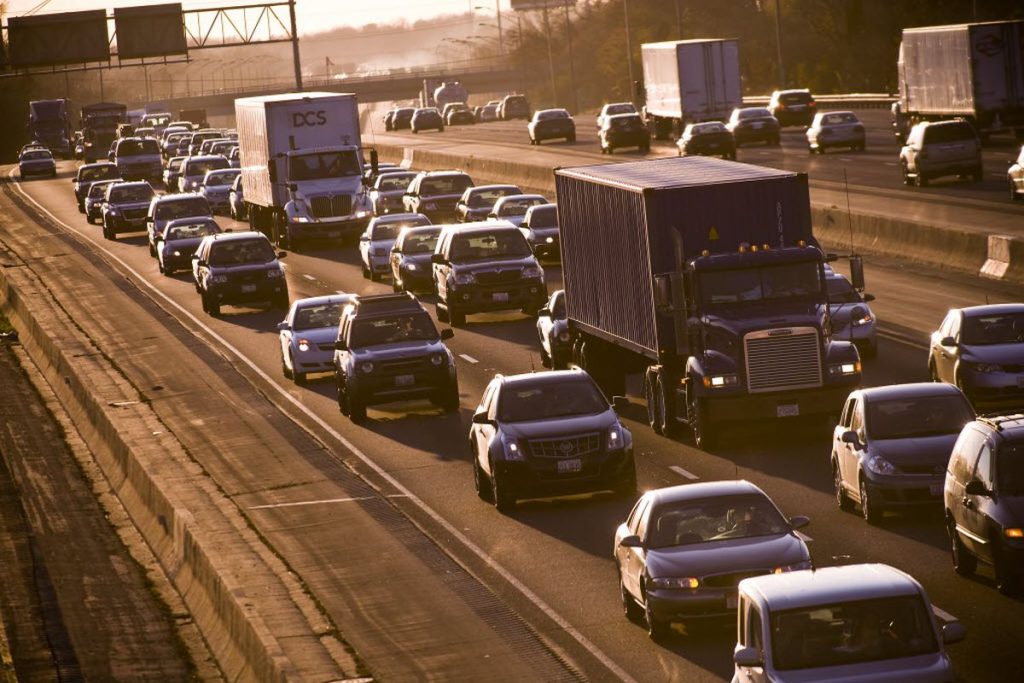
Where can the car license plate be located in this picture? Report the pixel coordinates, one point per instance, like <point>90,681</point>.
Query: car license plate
<point>569,466</point>
<point>756,125</point>
<point>404,380</point>
<point>730,602</point>
<point>935,489</point>
<point>787,410</point>
<point>712,145</point>
<point>797,107</point>
<point>500,297</point>
<point>248,288</point>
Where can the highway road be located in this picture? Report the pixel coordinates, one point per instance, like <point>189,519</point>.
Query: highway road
<point>550,561</point>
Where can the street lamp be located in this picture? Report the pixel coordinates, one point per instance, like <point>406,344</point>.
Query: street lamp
<point>497,12</point>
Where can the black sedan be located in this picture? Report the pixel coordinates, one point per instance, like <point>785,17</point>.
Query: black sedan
<point>754,124</point>
<point>624,130</point>
<point>707,139</point>
<point>551,124</point>
<point>180,240</point>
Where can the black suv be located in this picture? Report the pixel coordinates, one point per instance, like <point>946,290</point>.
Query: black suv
<point>389,350</point>
<point>239,268</point>
<point>485,266</point>
<point>124,208</point>
<point>984,499</point>
<point>89,174</point>
<point>435,194</point>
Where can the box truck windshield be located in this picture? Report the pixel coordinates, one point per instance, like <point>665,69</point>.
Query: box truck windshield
<point>324,165</point>
<point>789,281</point>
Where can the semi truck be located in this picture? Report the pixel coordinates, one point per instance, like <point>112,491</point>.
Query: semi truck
<point>450,92</point>
<point>689,81</point>
<point>974,71</point>
<point>703,275</point>
<point>49,124</point>
<point>99,124</point>
<point>302,166</point>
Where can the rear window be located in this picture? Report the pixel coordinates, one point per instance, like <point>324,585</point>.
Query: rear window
<point>182,208</point>
<point>553,114</point>
<point>754,113</point>
<point>391,183</point>
<point>194,167</point>
<point>795,98</point>
<point>948,132</point>
<point>130,193</point>
<point>448,184</point>
<point>136,147</point>
<point>627,108</point>
<point>224,178</point>
<point>191,231</point>
<point>420,242</point>
<point>236,252</point>
<point>318,316</point>
<point>838,119</point>
<point>480,199</point>
<point>544,217</point>
<point>99,173</point>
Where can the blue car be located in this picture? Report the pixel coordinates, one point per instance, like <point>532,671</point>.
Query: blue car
<point>307,335</point>
<point>180,240</point>
<point>36,162</point>
<point>852,318</point>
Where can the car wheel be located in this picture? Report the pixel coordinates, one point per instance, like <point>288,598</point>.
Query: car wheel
<point>977,174</point>
<point>907,180</point>
<point>458,318</point>
<point>611,150</point>
<point>88,218</point>
<point>545,359</point>
<point>571,138</point>
<point>297,377</point>
<point>932,372</point>
<point>212,307</point>
<point>1007,581</point>
<point>705,435</point>
<point>920,180</point>
<point>414,131</point>
<point>285,369</point>
<point>375,277</point>
<point>441,311</point>
<point>1013,192</point>
<point>356,409</point>
<point>483,487</point>
<point>870,508</point>
<point>108,234</point>
<point>811,150</point>
<point>657,630</point>
<point>630,609</point>
<point>964,563</point>
<point>842,500</point>
<point>504,500</point>
<point>152,250</point>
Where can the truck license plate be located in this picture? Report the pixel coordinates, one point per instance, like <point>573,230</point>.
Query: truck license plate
<point>787,410</point>
<point>248,288</point>
<point>404,380</point>
<point>935,489</point>
<point>569,466</point>
<point>500,297</point>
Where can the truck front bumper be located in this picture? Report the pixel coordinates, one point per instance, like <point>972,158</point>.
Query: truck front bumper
<point>825,400</point>
<point>328,229</point>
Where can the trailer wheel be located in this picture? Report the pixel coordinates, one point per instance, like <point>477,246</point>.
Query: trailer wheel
<point>705,434</point>
<point>653,398</point>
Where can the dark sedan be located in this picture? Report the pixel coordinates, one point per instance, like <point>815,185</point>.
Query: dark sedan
<point>683,549</point>
<point>180,240</point>
<point>551,124</point>
<point>402,118</point>
<point>707,139</point>
<point>427,118</point>
<point>754,124</point>
<point>624,130</point>
<point>410,258</point>
<point>476,202</point>
<point>91,173</point>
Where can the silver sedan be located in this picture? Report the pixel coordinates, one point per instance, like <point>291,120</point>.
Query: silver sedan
<point>835,129</point>
<point>307,335</point>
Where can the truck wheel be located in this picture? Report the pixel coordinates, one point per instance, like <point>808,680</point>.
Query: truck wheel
<point>1013,192</point>
<point>653,398</point>
<point>458,318</point>
<point>705,435</point>
<point>666,406</point>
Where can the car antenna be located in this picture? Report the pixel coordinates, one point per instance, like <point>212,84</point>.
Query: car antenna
<point>849,213</point>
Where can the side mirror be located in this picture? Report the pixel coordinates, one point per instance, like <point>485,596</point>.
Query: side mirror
<point>857,272</point>
<point>976,488</point>
<point>632,541</point>
<point>283,325</point>
<point>482,419</point>
<point>747,658</point>
<point>947,341</point>
<point>437,258</point>
<point>620,403</point>
<point>447,333</point>
<point>201,262</point>
<point>867,298</point>
<point>292,187</point>
<point>799,522</point>
<point>282,254</point>
<point>831,258</point>
<point>364,238</point>
<point>953,632</point>
<point>544,312</point>
<point>850,437</point>
<point>340,345</point>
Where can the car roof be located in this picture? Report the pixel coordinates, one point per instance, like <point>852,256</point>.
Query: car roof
<point>793,91</point>
<point>98,164</point>
<point>133,183</point>
<point>509,198</point>
<point>237,236</point>
<point>396,218</point>
<point>992,309</point>
<point>475,227</point>
<point>384,305</point>
<point>205,157</point>
<point>325,299</point>
<point>624,115</point>
<point>1002,423</point>
<point>487,188</point>
<point>829,585</point>
<point>909,390</point>
<point>450,171</point>
<point>543,377</point>
<point>177,197</point>
<point>707,489</point>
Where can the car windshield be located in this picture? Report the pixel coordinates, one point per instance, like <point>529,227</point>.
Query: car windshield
<point>136,147</point>
<point>318,316</point>
<point>36,154</point>
<point>786,281</point>
<point>906,418</point>
<point>544,217</point>
<point>518,207</point>
<point>553,114</point>
<point>323,165</point>
<point>851,632</point>
<point>191,231</point>
<point>99,173</point>
<point>393,330</point>
<point>839,119</point>
<point>480,198</point>
<point>131,193</point>
<point>756,113</point>
<point>1010,469</point>
<point>706,520</point>
<point>234,252</point>
<point>157,120</point>
<point>196,167</point>
<point>393,182</point>
<point>420,242</point>
<point>489,245</point>
<point>949,132</point>
<point>182,208</point>
<point>547,400</point>
<point>221,178</point>
<point>445,184</point>
<point>840,291</point>
<point>174,165</point>
<point>1004,328</point>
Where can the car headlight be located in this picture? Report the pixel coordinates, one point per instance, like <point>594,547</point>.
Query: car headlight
<point>564,336</point>
<point>410,266</point>
<point>275,274</point>
<point>806,564</point>
<point>512,450</point>
<point>986,367</point>
<point>863,321</point>
<point>464,278</point>
<point>533,272</point>
<point>880,465</point>
<point>366,367</point>
<point>675,583</point>
<point>362,214</point>
<point>616,438</point>
<point>218,279</point>
<point>112,210</point>
<point>718,381</point>
<point>177,253</point>
<point>437,359</point>
<point>549,240</point>
<point>303,345</point>
<point>844,369</point>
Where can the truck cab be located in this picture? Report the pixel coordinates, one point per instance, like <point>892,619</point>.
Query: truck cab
<point>327,196</point>
<point>139,159</point>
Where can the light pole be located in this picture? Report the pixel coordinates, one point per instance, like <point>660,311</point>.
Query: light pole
<point>497,12</point>
<point>778,42</point>
<point>629,50</point>
<point>572,62</point>
<point>551,58</point>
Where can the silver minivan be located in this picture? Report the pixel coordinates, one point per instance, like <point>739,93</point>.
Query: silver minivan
<point>941,148</point>
<point>849,624</point>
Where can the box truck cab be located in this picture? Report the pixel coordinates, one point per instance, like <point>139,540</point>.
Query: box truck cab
<point>302,160</point>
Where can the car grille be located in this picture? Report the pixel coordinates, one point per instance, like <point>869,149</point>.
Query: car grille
<point>936,470</point>
<point>326,347</point>
<point>499,277</point>
<point>783,358</point>
<point>400,365</point>
<point>732,579</point>
<point>565,447</point>
<point>328,206</point>
<point>133,214</point>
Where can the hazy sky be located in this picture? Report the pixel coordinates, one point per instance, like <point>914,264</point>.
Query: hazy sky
<point>311,15</point>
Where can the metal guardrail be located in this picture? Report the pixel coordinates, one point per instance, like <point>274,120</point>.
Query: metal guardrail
<point>852,101</point>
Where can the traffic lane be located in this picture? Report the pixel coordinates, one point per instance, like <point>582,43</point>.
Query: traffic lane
<point>579,560</point>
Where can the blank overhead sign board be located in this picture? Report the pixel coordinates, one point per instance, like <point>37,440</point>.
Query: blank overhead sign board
<point>150,31</point>
<point>64,38</point>
<point>522,5</point>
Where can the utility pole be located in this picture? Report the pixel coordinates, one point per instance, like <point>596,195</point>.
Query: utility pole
<point>295,46</point>
<point>679,20</point>
<point>551,59</point>
<point>629,51</point>
<point>572,62</point>
<point>501,39</point>
<point>778,42</point>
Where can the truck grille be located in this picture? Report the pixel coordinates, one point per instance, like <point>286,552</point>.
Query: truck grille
<point>329,206</point>
<point>565,447</point>
<point>783,358</point>
<point>731,580</point>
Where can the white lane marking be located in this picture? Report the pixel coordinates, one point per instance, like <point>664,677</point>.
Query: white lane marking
<point>310,502</point>
<point>468,359</point>
<point>803,537</point>
<point>543,606</point>
<point>943,614</point>
<point>845,160</point>
<point>309,277</point>
<point>679,470</point>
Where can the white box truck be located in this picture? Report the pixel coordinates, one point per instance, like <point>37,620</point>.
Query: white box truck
<point>974,71</point>
<point>690,80</point>
<point>302,166</point>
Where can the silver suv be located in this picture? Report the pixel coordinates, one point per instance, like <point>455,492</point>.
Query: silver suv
<point>941,148</point>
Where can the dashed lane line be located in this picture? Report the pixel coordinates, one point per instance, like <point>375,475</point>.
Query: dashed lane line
<point>468,359</point>
<point>324,501</point>
<point>943,614</point>
<point>685,473</point>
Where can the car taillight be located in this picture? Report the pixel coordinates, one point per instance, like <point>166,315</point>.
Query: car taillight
<point>812,103</point>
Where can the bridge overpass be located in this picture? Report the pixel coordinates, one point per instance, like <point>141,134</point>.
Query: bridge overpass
<point>405,85</point>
